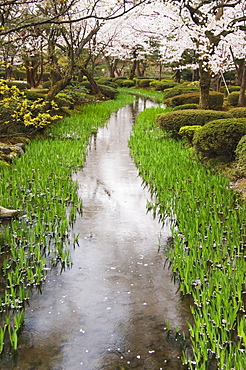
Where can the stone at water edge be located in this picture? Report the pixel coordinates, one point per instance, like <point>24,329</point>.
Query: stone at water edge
<point>8,213</point>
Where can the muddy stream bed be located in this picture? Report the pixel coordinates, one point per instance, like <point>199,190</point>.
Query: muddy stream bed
<point>109,311</point>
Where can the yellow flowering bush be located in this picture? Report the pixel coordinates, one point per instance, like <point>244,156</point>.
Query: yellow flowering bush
<point>16,110</point>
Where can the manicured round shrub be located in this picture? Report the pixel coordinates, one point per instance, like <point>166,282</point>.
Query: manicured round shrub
<point>241,155</point>
<point>220,137</point>
<point>64,100</point>
<point>180,89</point>
<point>231,88</point>
<point>173,121</point>
<point>126,83</point>
<point>190,98</point>
<point>186,106</point>
<point>216,100</point>
<point>108,91</point>
<point>239,112</point>
<point>187,132</point>
<point>31,95</point>
<point>144,83</point>
<point>106,81</point>
<point>232,98</point>
<point>46,85</point>
<point>162,85</point>
<point>20,84</point>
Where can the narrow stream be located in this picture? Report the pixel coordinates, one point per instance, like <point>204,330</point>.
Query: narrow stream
<point>109,310</point>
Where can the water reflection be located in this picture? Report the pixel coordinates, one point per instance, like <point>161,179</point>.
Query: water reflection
<point>109,310</point>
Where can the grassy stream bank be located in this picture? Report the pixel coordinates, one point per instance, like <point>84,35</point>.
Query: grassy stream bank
<point>207,253</point>
<point>40,185</point>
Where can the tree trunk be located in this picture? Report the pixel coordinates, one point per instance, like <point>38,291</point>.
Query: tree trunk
<point>205,79</point>
<point>57,87</point>
<point>94,87</point>
<point>241,99</point>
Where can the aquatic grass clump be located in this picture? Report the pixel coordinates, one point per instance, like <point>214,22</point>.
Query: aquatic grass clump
<point>40,185</point>
<point>208,254</point>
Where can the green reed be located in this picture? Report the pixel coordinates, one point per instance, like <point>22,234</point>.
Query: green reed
<point>40,184</point>
<point>208,256</point>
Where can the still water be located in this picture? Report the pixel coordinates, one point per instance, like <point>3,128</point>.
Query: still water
<point>109,311</point>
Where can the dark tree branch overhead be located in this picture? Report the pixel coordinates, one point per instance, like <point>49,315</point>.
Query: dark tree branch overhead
<point>39,16</point>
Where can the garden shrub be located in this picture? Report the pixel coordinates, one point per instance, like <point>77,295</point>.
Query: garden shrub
<point>187,132</point>
<point>6,119</point>
<point>239,112</point>
<point>126,83</point>
<point>173,121</point>
<point>216,100</point>
<point>144,82</point>
<point>190,98</point>
<point>108,91</point>
<point>186,106</point>
<point>231,88</point>
<point>31,95</point>
<point>19,74</point>
<point>64,100</point>
<point>86,84</point>
<point>181,89</point>
<point>240,153</point>
<point>220,137</point>
<point>106,81</point>
<point>120,81</point>
<point>77,93</point>
<point>162,85</point>
<point>232,98</point>
<point>46,85</point>
<point>21,85</point>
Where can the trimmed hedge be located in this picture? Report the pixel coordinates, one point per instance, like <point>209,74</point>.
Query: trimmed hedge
<point>173,121</point>
<point>186,106</point>
<point>107,82</point>
<point>231,88</point>
<point>31,95</point>
<point>232,98</point>
<point>239,112</point>
<point>187,132</point>
<point>163,84</point>
<point>144,82</point>
<point>180,89</point>
<point>126,83</point>
<point>220,137</point>
<point>108,91</point>
<point>46,85</point>
<point>216,100</point>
